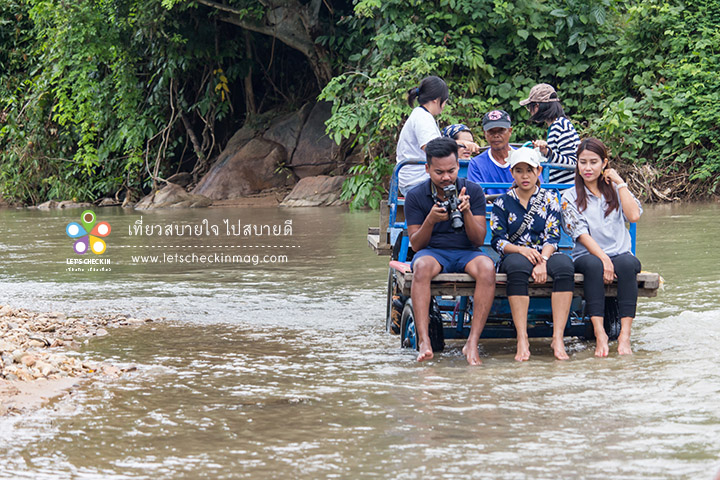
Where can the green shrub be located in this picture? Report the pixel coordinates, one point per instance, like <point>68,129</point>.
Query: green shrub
<point>643,76</point>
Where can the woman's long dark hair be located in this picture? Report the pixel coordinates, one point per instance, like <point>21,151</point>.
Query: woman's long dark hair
<point>430,88</point>
<point>547,110</point>
<point>606,189</point>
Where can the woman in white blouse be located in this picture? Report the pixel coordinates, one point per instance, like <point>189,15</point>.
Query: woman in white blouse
<point>594,214</point>
<point>432,95</point>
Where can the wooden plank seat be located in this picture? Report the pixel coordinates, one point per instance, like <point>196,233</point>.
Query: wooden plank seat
<point>462,284</point>
<point>374,241</point>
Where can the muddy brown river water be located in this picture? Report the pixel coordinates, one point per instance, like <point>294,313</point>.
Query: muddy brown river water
<point>284,370</point>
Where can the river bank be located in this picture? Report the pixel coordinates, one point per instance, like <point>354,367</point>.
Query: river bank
<point>39,359</point>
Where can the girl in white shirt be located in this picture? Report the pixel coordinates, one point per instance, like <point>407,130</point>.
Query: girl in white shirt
<point>420,127</point>
<point>594,214</point>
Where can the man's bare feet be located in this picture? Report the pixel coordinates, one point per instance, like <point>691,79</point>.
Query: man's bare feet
<point>601,349</point>
<point>523,350</point>
<point>558,347</point>
<point>471,354</point>
<point>624,345</point>
<point>425,351</point>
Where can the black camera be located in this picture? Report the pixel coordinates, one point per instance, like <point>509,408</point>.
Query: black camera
<point>451,206</point>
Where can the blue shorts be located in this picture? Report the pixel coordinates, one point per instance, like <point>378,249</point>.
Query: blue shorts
<point>451,261</point>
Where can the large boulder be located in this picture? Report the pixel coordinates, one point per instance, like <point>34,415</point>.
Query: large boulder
<point>271,154</point>
<point>251,169</point>
<point>181,178</point>
<point>172,196</point>
<point>316,152</point>
<point>286,130</point>
<point>315,192</point>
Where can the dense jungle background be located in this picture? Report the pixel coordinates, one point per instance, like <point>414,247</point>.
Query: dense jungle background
<point>109,97</point>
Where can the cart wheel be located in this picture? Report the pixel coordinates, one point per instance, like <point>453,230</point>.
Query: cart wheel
<point>435,329</point>
<point>394,308</point>
<point>612,318</point>
<point>408,333</point>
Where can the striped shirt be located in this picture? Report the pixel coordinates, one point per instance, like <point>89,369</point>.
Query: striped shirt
<point>563,142</point>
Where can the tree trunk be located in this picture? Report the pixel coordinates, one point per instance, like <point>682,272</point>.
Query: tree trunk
<point>249,93</point>
<point>294,24</point>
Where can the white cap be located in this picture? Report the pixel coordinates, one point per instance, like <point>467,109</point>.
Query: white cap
<point>525,155</point>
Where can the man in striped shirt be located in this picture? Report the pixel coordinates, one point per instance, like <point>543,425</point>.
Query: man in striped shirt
<point>562,140</point>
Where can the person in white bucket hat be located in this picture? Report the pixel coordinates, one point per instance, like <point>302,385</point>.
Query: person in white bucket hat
<point>525,225</point>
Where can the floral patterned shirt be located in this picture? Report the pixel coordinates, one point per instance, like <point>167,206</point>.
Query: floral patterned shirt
<point>508,215</point>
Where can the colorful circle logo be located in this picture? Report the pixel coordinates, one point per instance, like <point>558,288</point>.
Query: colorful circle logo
<point>88,241</point>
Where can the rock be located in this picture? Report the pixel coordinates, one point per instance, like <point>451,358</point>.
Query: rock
<point>6,311</point>
<point>28,360</point>
<point>286,130</point>
<point>64,204</point>
<point>47,205</point>
<point>246,171</point>
<point>17,355</point>
<point>45,368</point>
<point>316,152</point>
<point>181,178</point>
<point>73,204</point>
<point>172,196</point>
<point>6,346</point>
<point>314,192</point>
<point>36,343</point>
<point>7,359</point>
<point>24,374</point>
<point>110,371</point>
<point>240,138</point>
<point>101,332</point>
<point>108,202</point>
<point>44,342</point>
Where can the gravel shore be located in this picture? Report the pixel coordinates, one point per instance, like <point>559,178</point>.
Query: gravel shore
<point>36,359</point>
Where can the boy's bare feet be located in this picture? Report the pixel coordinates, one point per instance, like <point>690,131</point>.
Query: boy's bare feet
<point>425,351</point>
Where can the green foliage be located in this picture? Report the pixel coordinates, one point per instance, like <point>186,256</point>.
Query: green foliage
<point>97,96</point>
<point>364,187</point>
<point>78,124</point>
<point>92,93</point>
<point>643,76</point>
<point>490,54</point>
<point>670,65</point>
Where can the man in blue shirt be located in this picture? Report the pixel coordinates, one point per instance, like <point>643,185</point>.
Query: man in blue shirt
<point>442,248</point>
<point>492,165</point>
